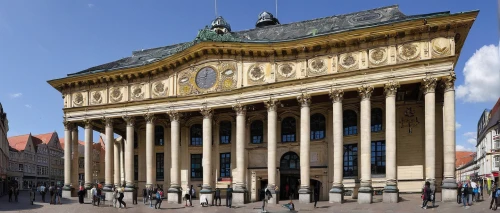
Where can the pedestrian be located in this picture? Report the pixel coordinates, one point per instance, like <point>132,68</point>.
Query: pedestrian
<point>470,193</point>
<point>267,196</point>
<point>426,194</point>
<point>465,195</point>
<point>145,195</point>
<point>98,195</point>
<point>217,196</point>
<point>287,190</point>
<point>193,192</point>
<point>42,192</point>
<point>150,196</point>
<point>93,193</point>
<point>433,195</point>
<point>159,198</point>
<point>474,191</point>
<point>11,192</point>
<point>16,193</point>
<point>120,198</point>
<point>52,194</point>
<point>187,197</point>
<point>459,193</point>
<point>493,195</point>
<point>59,195</point>
<point>115,196</point>
<point>81,193</point>
<point>229,196</point>
<point>316,196</point>
<point>290,206</point>
<point>32,196</point>
<point>134,196</point>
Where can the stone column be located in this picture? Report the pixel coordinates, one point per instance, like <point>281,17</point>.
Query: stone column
<point>305,138</point>
<point>365,193</point>
<point>429,87</point>
<point>117,168</point>
<point>174,192</point>
<point>206,189</point>
<point>337,191</point>
<point>150,150</point>
<point>74,160</point>
<point>67,159</point>
<point>129,153</point>
<point>109,146</point>
<point>122,161</point>
<point>391,191</point>
<point>88,153</point>
<point>449,187</point>
<point>240,190</point>
<point>272,121</point>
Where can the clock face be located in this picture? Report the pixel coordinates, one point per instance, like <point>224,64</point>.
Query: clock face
<point>206,78</point>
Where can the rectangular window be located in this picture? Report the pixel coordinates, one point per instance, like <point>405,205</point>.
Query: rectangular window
<point>20,167</point>
<point>350,160</point>
<point>225,164</point>
<point>378,157</point>
<point>136,167</point>
<point>159,134</point>
<point>159,166</point>
<point>81,162</point>
<point>196,168</point>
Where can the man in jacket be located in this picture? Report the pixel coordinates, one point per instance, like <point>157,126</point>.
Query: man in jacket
<point>229,197</point>
<point>493,195</point>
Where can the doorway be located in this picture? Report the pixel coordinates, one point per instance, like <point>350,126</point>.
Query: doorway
<point>262,190</point>
<point>289,176</point>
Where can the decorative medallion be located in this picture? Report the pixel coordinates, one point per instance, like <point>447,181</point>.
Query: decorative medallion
<point>440,47</point>
<point>408,51</point>
<point>78,100</point>
<point>116,95</point>
<point>96,97</point>
<point>378,56</point>
<point>185,90</point>
<point>137,92</point>
<point>286,70</point>
<point>348,61</point>
<point>228,73</point>
<point>159,89</point>
<point>256,73</point>
<point>317,66</point>
<point>184,80</point>
<point>227,84</point>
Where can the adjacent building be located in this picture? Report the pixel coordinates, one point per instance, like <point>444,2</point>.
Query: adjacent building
<point>465,163</point>
<point>488,144</point>
<point>35,159</point>
<point>337,105</point>
<point>4,151</point>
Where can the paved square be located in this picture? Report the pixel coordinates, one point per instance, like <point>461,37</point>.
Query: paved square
<point>410,203</point>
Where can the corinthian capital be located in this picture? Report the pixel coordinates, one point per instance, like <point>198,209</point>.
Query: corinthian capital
<point>67,125</point>
<point>449,82</point>
<point>240,109</point>
<point>150,118</point>
<point>206,111</point>
<point>365,91</point>
<point>271,104</point>
<point>391,88</point>
<point>337,95</point>
<point>174,115</point>
<point>129,119</point>
<point>429,84</point>
<point>87,124</point>
<point>304,100</point>
<point>108,121</point>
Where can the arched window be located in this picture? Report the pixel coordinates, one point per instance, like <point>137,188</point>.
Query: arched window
<point>225,132</point>
<point>196,135</point>
<point>289,160</point>
<point>136,140</point>
<point>350,123</point>
<point>257,131</point>
<point>288,130</point>
<point>159,134</point>
<point>376,120</point>
<point>317,126</point>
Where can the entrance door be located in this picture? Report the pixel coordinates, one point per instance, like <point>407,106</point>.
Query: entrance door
<point>262,190</point>
<point>289,176</point>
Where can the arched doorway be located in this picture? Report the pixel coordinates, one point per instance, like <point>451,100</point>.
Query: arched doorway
<point>289,176</point>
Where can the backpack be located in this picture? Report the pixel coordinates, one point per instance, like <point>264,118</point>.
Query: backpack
<point>161,193</point>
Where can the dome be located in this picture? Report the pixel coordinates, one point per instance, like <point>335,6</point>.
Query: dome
<point>266,19</point>
<point>219,25</point>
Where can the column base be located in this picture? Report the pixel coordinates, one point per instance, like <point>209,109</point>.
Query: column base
<point>67,188</point>
<point>208,198</point>
<point>276,197</point>
<point>449,190</point>
<point>128,196</point>
<point>88,186</point>
<point>174,197</point>
<point>336,195</point>
<point>391,194</point>
<point>206,189</point>
<point>239,198</point>
<point>107,187</point>
<point>365,195</point>
<point>67,193</point>
<point>109,196</point>
<point>129,187</point>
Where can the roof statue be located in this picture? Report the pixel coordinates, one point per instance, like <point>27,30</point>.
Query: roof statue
<point>266,19</point>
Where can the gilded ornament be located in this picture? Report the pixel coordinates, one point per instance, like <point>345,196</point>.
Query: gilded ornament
<point>228,83</point>
<point>408,51</point>
<point>185,90</point>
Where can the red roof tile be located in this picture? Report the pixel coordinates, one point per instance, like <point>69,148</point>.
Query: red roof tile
<point>18,142</point>
<point>463,157</point>
<point>44,138</point>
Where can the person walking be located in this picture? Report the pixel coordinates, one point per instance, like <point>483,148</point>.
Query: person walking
<point>32,196</point>
<point>145,195</point>
<point>433,195</point>
<point>11,192</point>
<point>459,193</point>
<point>120,198</point>
<point>42,192</point>
<point>80,193</point>
<point>316,197</point>
<point>16,193</point>
<point>493,196</point>
<point>192,191</point>
<point>470,193</point>
<point>58,194</point>
<point>93,192</point>
<point>426,194</point>
<point>134,196</point>
<point>229,196</point>
<point>465,195</point>
<point>187,196</point>
<point>159,198</point>
<point>217,196</point>
<point>267,196</point>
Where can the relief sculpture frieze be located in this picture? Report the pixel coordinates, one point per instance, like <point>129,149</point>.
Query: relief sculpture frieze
<point>317,66</point>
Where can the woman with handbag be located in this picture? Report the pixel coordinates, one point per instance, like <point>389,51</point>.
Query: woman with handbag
<point>426,195</point>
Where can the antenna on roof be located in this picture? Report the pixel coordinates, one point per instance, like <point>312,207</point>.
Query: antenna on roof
<point>215,8</point>
<point>276,8</point>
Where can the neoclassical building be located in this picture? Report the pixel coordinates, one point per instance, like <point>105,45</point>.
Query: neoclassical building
<point>342,105</point>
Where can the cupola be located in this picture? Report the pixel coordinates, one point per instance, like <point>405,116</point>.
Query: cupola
<point>220,26</point>
<point>266,19</point>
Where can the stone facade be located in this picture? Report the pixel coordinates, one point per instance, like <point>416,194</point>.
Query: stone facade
<point>4,151</point>
<point>253,116</point>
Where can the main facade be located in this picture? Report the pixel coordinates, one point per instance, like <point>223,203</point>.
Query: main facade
<point>341,105</point>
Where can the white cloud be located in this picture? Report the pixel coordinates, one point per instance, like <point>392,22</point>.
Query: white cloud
<point>482,76</point>
<point>463,148</point>
<point>472,141</point>
<point>16,95</point>
<point>27,106</point>
<point>457,125</point>
<point>470,134</point>
<point>90,5</point>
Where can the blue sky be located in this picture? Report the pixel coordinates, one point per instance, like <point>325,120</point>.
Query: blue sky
<point>43,40</point>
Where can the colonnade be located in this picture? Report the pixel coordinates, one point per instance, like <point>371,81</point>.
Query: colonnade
<point>304,99</point>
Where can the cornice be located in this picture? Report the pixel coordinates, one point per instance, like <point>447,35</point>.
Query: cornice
<point>332,43</point>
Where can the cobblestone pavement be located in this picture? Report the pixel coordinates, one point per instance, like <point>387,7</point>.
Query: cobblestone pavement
<point>409,203</point>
